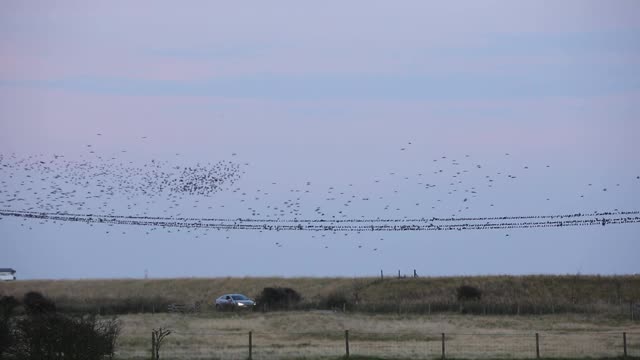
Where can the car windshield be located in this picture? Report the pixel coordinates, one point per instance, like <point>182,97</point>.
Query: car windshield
<point>239,297</point>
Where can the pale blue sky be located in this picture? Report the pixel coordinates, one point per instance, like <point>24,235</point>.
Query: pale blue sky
<point>328,93</point>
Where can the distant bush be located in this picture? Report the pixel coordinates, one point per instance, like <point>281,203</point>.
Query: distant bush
<point>335,300</point>
<point>111,306</point>
<point>468,293</point>
<point>278,298</point>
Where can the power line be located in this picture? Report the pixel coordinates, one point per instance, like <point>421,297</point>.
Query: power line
<point>347,225</point>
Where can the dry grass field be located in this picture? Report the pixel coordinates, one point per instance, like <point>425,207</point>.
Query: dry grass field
<point>535,290</point>
<point>321,334</point>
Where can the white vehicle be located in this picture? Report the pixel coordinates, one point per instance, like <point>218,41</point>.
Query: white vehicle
<point>7,274</point>
<point>234,301</point>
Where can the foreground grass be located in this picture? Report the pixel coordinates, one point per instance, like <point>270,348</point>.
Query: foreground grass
<point>315,335</point>
<point>449,358</point>
<point>541,358</point>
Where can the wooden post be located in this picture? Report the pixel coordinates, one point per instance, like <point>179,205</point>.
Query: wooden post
<point>537,346</point>
<point>443,349</point>
<point>250,345</point>
<point>398,274</point>
<point>346,343</point>
<point>381,275</point>
<point>624,343</point>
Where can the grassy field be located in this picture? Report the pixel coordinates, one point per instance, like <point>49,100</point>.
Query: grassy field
<point>372,294</point>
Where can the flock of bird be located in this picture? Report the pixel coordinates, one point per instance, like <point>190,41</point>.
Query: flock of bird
<point>56,184</point>
<point>104,189</point>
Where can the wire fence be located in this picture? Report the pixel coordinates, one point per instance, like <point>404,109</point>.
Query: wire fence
<point>137,305</point>
<point>333,345</point>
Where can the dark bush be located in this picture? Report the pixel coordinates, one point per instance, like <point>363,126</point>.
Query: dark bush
<point>7,305</point>
<point>468,293</point>
<point>62,337</point>
<point>278,298</point>
<point>36,304</point>
<point>44,334</point>
<point>6,340</point>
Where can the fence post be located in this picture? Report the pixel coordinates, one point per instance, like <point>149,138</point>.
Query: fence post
<point>250,345</point>
<point>443,345</point>
<point>346,343</point>
<point>624,343</point>
<point>537,346</point>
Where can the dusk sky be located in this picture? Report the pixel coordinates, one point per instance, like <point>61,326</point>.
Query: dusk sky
<point>358,109</point>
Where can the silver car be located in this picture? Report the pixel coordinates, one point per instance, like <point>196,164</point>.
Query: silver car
<point>234,301</point>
